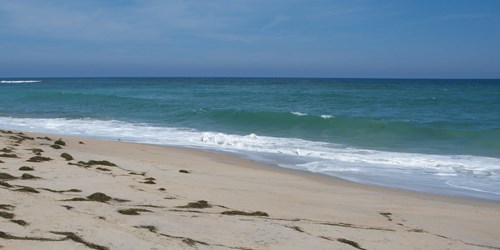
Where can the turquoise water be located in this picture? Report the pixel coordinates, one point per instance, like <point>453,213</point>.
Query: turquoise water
<point>428,135</point>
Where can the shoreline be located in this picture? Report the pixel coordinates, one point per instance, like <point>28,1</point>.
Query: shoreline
<point>320,177</point>
<point>304,210</point>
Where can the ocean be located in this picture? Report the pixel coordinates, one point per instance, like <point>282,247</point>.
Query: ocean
<point>434,136</point>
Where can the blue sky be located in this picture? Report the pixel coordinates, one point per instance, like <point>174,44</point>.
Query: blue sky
<point>276,38</point>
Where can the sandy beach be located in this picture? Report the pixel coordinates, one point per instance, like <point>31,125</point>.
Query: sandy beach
<point>59,192</point>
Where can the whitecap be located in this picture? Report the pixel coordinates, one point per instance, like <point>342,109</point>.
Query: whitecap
<point>19,81</point>
<point>323,157</point>
<point>298,113</point>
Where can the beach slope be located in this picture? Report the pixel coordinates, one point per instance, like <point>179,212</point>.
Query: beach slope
<point>59,192</point>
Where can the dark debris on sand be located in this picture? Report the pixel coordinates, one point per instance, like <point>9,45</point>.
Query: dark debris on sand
<point>38,159</point>
<point>27,190</point>
<point>5,176</point>
<point>198,204</point>
<point>9,155</point>
<point>67,156</point>
<point>29,177</point>
<point>26,168</point>
<point>100,197</point>
<point>236,212</point>
<point>133,211</point>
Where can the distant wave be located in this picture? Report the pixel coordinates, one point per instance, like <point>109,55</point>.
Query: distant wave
<point>327,116</point>
<point>19,81</point>
<point>298,113</point>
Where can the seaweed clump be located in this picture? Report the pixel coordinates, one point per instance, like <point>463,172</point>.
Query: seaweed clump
<point>76,199</point>
<point>236,212</point>
<point>350,242</point>
<point>6,207</point>
<point>149,180</point>
<point>183,171</point>
<point>20,222</point>
<point>6,215</point>
<point>4,235</point>
<point>5,176</point>
<point>76,238</point>
<point>67,156</point>
<point>133,211</point>
<point>100,197</point>
<point>38,159</point>
<point>60,142</point>
<point>29,177</point>
<point>26,168</point>
<point>9,155</point>
<point>5,184</point>
<point>37,151</point>
<point>27,190</point>
<point>6,150</point>
<point>93,162</point>
<point>45,138</point>
<point>198,204</point>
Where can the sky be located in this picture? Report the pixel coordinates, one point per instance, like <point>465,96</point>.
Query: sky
<point>250,38</point>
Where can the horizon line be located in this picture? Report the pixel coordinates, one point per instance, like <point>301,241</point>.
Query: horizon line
<point>256,77</point>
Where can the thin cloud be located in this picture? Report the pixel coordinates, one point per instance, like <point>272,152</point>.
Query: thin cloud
<point>276,21</point>
<point>148,20</point>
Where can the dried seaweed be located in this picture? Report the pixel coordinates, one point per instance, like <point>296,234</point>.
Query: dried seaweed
<point>9,155</point>
<point>6,207</point>
<point>38,159</point>
<point>76,238</point>
<point>133,211</point>
<point>26,168</point>
<point>29,177</point>
<point>199,204</point>
<point>6,215</point>
<point>350,242</point>
<point>20,222</point>
<point>100,197</point>
<point>5,176</point>
<point>60,142</point>
<point>67,156</point>
<point>27,190</point>
<point>5,184</point>
<point>236,212</point>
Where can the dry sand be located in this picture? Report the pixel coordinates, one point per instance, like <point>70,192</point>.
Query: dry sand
<point>146,197</point>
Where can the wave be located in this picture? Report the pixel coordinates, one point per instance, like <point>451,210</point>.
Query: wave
<point>314,150</point>
<point>298,113</point>
<point>359,131</point>
<point>477,172</point>
<point>20,81</point>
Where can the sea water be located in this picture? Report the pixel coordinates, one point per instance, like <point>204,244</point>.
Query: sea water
<point>438,136</point>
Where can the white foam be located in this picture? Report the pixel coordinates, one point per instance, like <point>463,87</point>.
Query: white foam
<point>327,116</point>
<point>308,155</point>
<point>462,164</point>
<point>19,81</point>
<point>298,113</point>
